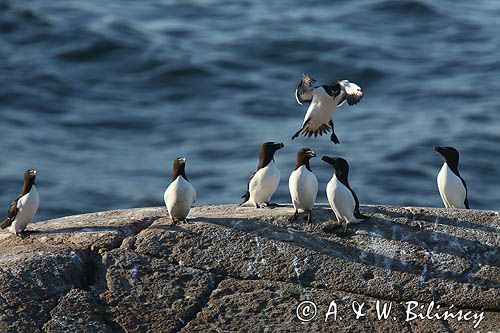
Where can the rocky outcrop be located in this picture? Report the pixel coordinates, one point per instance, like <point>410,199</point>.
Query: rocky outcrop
<point>233,268</point>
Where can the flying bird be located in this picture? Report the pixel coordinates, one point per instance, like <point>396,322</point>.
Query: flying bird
<point>23,209</point>
<point>451,185</point>
<point>323,101</point>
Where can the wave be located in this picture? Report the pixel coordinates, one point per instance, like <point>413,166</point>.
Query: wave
<point>89,51</point>
<point>409,7</point>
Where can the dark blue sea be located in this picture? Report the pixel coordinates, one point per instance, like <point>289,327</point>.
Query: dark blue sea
<point>101,96</point>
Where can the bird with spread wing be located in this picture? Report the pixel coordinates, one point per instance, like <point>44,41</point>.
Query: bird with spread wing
<point>323,101</point>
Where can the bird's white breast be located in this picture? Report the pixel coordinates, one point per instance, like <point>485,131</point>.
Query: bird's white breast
<point>321,109</point>
<point>179,196</point>
<point>451,189</point>
<point>28,206</point>
<point>303,186</point>
<point>341,200</point>
<point>264,183</point>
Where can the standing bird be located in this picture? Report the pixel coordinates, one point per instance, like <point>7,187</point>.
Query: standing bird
<point>452,187</point>
<point>264,181</point>
<point>303,184</point>
<point>180,194</point>
<point>324,100</point>
<point>341,197</point>
<point>23,209</point>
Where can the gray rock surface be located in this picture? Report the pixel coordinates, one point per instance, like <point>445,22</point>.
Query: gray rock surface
<point>240,269</point>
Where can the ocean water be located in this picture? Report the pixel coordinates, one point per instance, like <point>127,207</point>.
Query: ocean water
<point>100,97</point>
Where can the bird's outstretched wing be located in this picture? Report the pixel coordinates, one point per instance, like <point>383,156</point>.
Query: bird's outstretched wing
<point>353,92</point>
<point>11,214</point>
<point>303,93</point>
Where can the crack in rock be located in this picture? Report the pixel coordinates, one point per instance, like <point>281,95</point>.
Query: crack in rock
<point>203,303</point>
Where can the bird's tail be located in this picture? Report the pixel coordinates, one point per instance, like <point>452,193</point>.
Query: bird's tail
<point>245,197</point>
<point>296,135</point>
<point>5,223</point>
<point>306,131</point>
<point>359,216</point>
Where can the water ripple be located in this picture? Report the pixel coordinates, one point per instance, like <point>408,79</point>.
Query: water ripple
<point>102,96</point>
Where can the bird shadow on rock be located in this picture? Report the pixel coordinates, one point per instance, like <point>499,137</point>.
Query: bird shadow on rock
<point>424,216</point>
<point>83,229</point>
<point>436,219</point>
<point>179,227</point>
<point>434,241</point>
<point>316,242</point>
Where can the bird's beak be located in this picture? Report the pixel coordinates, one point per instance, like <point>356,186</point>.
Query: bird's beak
<point>328,160</point>
<point>279,145</point>
<point>311,153</point>
<point>439,149</point>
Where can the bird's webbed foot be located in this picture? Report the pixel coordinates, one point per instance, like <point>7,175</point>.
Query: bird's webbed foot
<point>272,205</point>
<point>293,217</point>
<point>308,218</point>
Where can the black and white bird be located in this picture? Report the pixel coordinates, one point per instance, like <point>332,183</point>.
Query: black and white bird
<point>341,197</point>
<point>303,185</point>
<point>264,181</point>
<point>23,209</point>
<point>180,194</point>
<point>323,101</point>
<point>451,185</point>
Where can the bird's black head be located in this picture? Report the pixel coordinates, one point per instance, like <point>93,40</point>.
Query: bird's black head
<point>340,166</point>
<point>266,152</point>
<point>29,176</point>
<point>29,180</point>
<point>449,154</point>
<point>305,154</point>
<point>179,168</point>
<point>271,147</point>
<point>303,157</point>
<point>333,89</point>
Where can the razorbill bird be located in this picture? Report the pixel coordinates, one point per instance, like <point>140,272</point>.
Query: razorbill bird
<point>180,194</point>
<point>341,197</point>
<point>323,101</point>
<point>264,181</point>
<point>23,209</point>
<point>452,187</point>
<point>303,184</point>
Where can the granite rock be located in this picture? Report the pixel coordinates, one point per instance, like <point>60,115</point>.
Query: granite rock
<point>233,268</point>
